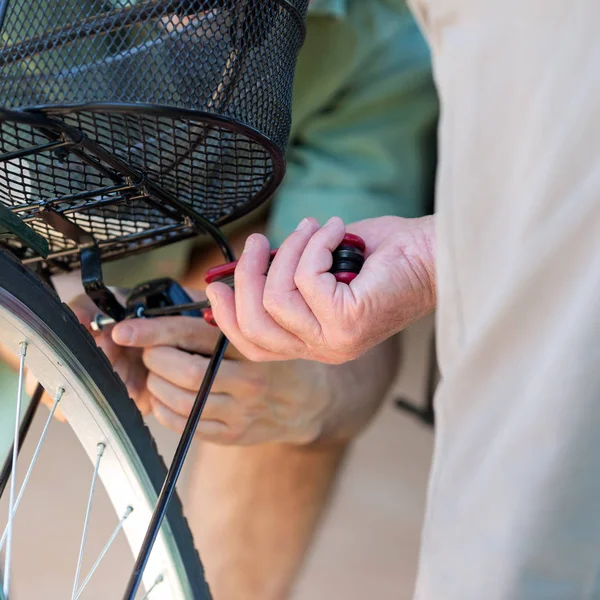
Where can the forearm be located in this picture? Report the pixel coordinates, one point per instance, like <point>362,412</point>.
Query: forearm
<point>255,511</point>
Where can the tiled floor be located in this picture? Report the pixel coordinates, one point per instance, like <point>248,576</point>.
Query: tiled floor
<point>367,547</point>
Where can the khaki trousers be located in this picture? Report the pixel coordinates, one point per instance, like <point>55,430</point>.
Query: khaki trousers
<point>514,499</point>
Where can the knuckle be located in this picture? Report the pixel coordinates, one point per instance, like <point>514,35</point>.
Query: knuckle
<point>189,335</point>
<point>150,356</point>
<point>333,359</point>
<point>253,385</point>
<point>308,434</point>
<point>254,354</point>
<point>301,278</point>
<point>249,331</point>
<point>256,386</point>
<point>233,434</point>
<point>345,345</point>
<point>348,339</point>
<point>273,302</point>
<point>193,372</point>
<point>183,404</point>
<point>152,383</point>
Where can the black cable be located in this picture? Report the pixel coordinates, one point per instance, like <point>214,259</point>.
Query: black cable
<point>23,431</point>
<point>191,425</point>
<point>175,469</point>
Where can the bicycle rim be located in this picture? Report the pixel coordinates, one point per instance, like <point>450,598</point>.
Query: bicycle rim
<point>66,361</point>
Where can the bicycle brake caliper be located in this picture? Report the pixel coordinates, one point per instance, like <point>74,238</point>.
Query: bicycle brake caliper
<point>91,263</point>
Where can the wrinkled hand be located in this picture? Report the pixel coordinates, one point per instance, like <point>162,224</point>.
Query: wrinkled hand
<point>250,403</point>
<point>299,310</point>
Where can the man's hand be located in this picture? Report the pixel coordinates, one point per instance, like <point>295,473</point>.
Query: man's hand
<point>296,402</point>
<point>299,310</point>
<point>127,362</point>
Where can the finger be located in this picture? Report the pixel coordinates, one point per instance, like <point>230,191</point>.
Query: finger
<point>208,341</point>
<point>187,370</point>
<point>318,286</point>
<point>282,299</point>
<point>254,321</point>
<point>209,430</point>
<point>222,302</point>
<point>221,407</point>
<point>144,402</point>
<point>188,333</point>
<point>166,417</point>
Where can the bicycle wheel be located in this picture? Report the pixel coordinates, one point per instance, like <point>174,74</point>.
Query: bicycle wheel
<point>61,354</point>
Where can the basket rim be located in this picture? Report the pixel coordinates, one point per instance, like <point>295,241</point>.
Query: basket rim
<point>27,115</point>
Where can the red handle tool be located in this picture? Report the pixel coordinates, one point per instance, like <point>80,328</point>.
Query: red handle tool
<point>348,258</point>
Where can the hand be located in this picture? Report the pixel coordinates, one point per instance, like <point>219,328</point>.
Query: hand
<point>295,402</point>
<point>299,310</point>
<point>127,362</point>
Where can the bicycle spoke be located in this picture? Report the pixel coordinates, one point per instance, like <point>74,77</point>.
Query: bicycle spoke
<point>58,398</point>
<point>101,447</point>
<point>13,479</point>
<point>26,421</point>
<point>118,528</point>
<point>158,580</point>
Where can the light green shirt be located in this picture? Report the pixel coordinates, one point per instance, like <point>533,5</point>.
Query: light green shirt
<point>364,117</point>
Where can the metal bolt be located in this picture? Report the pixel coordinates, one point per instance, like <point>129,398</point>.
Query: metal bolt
<point>100,321</point>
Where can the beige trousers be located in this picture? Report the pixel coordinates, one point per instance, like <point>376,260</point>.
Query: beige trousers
<point>514,500</point>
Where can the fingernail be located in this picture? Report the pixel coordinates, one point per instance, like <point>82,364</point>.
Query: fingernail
<point>123,334</point>
<point>331,220</point>
<point>302,224</point>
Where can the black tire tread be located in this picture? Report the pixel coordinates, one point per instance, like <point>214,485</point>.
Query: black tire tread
<point>122,406</point>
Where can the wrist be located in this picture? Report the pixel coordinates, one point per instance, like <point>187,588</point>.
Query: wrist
<point>427,253</point>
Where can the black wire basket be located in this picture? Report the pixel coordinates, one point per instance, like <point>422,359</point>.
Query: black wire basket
<point>126,117</point>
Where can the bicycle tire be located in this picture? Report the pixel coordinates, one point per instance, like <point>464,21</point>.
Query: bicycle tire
<point>41,300</point>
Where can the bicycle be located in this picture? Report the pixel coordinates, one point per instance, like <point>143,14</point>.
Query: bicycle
<point>129,125</point>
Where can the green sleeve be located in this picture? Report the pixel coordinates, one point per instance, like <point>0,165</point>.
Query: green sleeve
<point>371,152</point>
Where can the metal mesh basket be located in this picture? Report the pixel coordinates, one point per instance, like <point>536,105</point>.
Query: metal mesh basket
<point>120,114</point>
